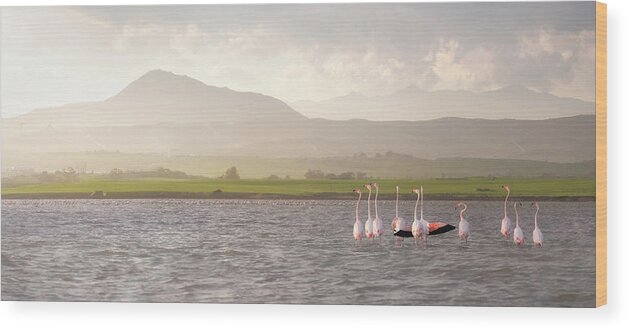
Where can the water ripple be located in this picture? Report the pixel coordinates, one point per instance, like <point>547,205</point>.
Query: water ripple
<point>287,251</point>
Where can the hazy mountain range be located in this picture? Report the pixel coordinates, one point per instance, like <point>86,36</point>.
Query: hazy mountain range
<point>163,112</point>
<point>412,104</point>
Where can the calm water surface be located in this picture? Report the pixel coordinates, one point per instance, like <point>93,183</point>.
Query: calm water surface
<point>244,251</point>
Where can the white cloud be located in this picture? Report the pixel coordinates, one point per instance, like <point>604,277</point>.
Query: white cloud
<point>573,52</point>
<point>537,43</point>
<point>456,69</point>
<point>580,82</point>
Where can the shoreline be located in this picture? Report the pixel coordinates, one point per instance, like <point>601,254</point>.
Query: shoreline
<point>271,196</point>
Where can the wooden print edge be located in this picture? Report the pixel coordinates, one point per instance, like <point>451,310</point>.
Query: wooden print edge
<point>600,156</point>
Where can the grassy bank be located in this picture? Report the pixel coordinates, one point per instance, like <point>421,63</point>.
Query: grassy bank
<point>471,188</point>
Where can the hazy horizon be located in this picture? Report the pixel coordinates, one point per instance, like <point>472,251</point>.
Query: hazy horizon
<point>53,56</point>
<point>424,105</point>
<point>151,80</point>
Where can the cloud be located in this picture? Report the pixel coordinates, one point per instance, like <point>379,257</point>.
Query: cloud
<point>537,43</point>
<point>455,69</point>
<point>563,61</point>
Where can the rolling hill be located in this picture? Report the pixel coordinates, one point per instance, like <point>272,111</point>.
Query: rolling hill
<point>412,104</point>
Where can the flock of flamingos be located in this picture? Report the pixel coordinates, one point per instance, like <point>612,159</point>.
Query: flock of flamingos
<point>421,228</point>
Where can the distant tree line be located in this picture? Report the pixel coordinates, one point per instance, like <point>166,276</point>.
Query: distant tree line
<point>275,177</point>
<point>387,155</point>
<point>67,175</point>
<point>117,173</point>
<point>319,174</point>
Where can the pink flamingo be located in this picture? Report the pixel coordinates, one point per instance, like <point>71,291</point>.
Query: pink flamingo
<point>378,225</point>
<point>422,221</point>
<point>463,226</point>
<point>368,226</point>
<point>537,235</point>
<point>398,223</point>
<point>505,229</point>
<point>418,229</point>
<point>358,228</point>
<point>393,224</point>
<point>518,233</point>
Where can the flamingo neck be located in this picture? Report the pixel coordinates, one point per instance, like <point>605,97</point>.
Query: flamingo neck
<point>462,212</point>
<point>357,218</point>
<point>368,205</point>
<point>376,193</point>
<point>536,225</point>
<point>516,215</point>
<point>422,203</point>
<point>418,196</point>
<point>506,204</point>
<point>397,205</point>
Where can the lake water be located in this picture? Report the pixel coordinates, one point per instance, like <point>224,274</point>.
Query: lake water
<point>250,251</point>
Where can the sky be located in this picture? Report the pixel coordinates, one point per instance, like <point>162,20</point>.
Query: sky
<point>51,56</point>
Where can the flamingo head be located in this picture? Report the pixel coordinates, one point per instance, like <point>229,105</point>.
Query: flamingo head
<point>506,187</point>
<point>460,205</point>
<point>357,190</point>
<point>535,204</point>
<point>375,185</point>
<point>368,186</point>
<point>397,188</point>
<point>415,190</point>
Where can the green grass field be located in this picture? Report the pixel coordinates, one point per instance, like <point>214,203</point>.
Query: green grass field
<point>471,187</point>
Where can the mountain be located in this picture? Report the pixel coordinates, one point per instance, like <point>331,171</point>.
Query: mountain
<point>411,104</point>
<point>172,114</point>
<point>163,97</point>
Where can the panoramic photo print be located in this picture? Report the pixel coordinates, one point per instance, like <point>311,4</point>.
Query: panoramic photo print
<point>381,153</point>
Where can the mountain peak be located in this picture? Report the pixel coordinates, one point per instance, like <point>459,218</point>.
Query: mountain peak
<point>162,76</point>
<point>167,96</point>
<point>157,83</point>
<point>159,74</point>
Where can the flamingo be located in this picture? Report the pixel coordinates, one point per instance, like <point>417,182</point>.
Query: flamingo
<point>537,235</point>
<point>418,229</point>
<point>426,224</point>
<point>505,230</point>
<point>398,223</point>
<point>358,228</point>
<point>463,226</point>
<point>368,226</point>
<point>518,233</point>
<point>378,226</point>
<point>393,224</point>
